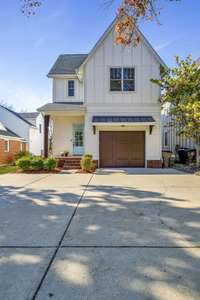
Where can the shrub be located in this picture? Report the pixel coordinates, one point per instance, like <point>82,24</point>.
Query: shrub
<point>37,163</point>
<point>50,163</point>
<point>21,154</point>
<point>24,163</point>
<point>86,163</point>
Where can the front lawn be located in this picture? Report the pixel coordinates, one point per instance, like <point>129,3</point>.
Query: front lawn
<point>8,169</point>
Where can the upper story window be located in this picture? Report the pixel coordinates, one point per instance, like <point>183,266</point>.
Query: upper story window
<point>122,79</point>
<point>6,146</point>
<point>71,88</point>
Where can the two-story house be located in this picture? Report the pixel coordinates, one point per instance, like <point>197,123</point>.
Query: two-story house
<point>104,104</point>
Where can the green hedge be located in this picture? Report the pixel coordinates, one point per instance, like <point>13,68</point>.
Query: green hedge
<point>22,154</point>
<point>50,163</point>
<point>36,163</point>
<point>24,163</point>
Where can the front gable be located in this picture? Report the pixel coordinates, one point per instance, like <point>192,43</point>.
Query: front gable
<point>106,55</point>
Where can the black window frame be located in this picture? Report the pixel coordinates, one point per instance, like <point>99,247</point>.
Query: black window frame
<point>126,76</point>
<point>71,89</point>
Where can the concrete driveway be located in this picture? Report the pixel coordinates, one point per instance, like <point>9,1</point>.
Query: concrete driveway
<point>118,234</point>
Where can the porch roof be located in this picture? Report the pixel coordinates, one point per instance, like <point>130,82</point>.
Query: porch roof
<point>62,107</point>
<point>99,120</point>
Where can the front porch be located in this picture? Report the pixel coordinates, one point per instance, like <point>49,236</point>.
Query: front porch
<point>64,125</point>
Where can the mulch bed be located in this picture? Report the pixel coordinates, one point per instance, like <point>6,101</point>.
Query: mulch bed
<point>55,171</point>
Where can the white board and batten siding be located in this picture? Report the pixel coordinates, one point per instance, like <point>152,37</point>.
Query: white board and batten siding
<point>143,101</point>
<point>60,90</point>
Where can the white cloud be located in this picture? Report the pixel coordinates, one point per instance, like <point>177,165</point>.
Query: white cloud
<point>163,45</point>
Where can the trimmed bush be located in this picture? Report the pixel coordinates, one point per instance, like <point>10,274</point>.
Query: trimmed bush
<point>88,155</point>
<point>37,163</point>
<point>50,163</point>
<point>24,163</point>
<point>21,154</point>
<point>86,163</point>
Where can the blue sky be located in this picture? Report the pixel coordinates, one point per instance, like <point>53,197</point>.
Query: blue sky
<point>29,46</point>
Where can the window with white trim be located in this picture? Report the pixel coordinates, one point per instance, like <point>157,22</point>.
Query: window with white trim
<point>6,146</point>
<point>71,88</point>
<point>122,79</point>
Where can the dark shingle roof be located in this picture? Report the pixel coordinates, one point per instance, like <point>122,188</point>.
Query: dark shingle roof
<point>17,115</point>
<point>29,115</point>
<point>122,119</point>
<point>8,133</point>
<point>67,64</point>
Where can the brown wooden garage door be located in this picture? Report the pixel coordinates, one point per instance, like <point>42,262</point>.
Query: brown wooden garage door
<point>122,148</point>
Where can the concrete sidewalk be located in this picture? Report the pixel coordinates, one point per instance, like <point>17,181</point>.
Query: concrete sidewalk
<point>120,234</point>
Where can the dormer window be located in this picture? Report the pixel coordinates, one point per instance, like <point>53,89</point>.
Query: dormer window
<point>71,88</point>
<point>122,79</point>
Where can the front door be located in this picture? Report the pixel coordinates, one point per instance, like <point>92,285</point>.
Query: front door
<point>78,139</point>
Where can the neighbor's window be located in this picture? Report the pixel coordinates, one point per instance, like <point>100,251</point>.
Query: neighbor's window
<point>122,79</point>
<point>6,146</point>
<point>40,128</point>
<point>71,88</point>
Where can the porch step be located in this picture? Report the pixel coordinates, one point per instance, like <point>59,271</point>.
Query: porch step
<point>69,163</point>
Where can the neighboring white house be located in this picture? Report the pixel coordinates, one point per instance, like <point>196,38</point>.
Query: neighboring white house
<point>30,130</point>
<point>104,104</point>
<point>171,139</point>
<point>36,136</point>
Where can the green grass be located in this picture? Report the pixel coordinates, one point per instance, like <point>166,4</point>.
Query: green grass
<point>8,169</point>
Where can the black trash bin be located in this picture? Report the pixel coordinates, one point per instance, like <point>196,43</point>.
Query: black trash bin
<point>186,155</point>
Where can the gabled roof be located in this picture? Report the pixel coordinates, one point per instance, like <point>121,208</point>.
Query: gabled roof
<point>67,64</point>
<point>17,115</point>
<point>29,115</point>
<point>144,40</point>
<point>4,131</point>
